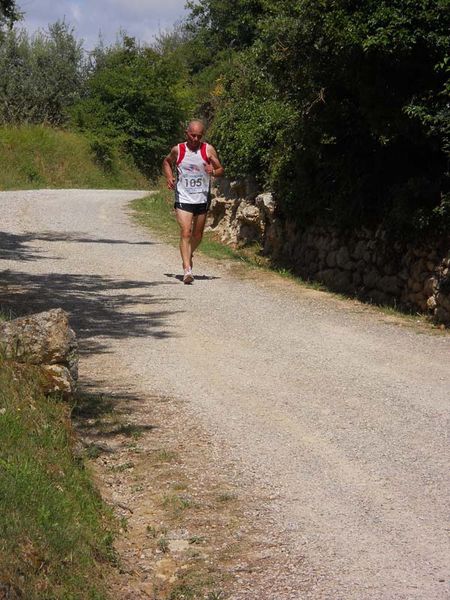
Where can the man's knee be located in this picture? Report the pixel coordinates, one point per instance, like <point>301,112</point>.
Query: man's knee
<point>197,236</point>
<point>185,233</point>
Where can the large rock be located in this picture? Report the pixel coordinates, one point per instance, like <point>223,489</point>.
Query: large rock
<point>44,339</point>
<point>266,203</point>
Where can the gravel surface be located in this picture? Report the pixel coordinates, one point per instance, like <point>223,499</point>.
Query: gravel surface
<point>335,414</point>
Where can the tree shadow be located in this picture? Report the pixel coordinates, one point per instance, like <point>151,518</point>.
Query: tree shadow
<point>14,246</point>
<point>57,236</point>
<point>99,307</point>
<point>101,420</point>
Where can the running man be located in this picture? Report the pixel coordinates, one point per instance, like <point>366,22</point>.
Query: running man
<point>195,163</point>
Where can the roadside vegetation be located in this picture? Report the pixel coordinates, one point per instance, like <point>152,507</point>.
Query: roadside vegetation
<point>55,532</point>
<point>341,109</point>
<point>356,134</point>
<point>38,156</point>
<point>155,211</point>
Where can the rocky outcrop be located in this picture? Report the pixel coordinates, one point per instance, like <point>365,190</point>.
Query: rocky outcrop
<point>47,341</point>
<point>362,262</point>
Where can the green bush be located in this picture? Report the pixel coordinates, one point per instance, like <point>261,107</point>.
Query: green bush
<point>130,100</point>
<point>342,106</point>
<point>40,76</point>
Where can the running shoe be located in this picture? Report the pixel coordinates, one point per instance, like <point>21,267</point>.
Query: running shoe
<point>188,277</point>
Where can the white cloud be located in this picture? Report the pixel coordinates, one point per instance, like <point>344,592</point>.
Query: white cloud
<point>142,19</point>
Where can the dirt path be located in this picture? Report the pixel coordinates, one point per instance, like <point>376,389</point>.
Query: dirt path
<point>330,417</point>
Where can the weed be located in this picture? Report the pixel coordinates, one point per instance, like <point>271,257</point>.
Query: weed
<point>196,539</point>
<point>226,497</point>
<point>151,531</point>
<point>163,544</point>
<point>164,456</point>
<point>177,503</point>
<point>122,467</point>
<point>7,314</point>
<point>215,596</point>
<point>183,592</point>
<point>93,451</point>
<point>89,406</point>
<point>131,430</point>
<point>179,486</point>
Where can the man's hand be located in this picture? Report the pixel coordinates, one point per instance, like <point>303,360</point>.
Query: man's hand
<point>168,165</point>
<point>214,167</point>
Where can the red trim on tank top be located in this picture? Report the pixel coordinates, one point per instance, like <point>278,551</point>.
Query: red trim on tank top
<point>204,153</point>
<point>181,152</point>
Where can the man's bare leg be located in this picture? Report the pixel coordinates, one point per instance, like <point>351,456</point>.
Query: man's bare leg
<point>185,220</point>
<point>198,226</point>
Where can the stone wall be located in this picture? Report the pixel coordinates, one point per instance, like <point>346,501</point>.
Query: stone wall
<point>362,262</point>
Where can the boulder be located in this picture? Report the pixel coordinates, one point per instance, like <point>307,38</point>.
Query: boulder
<point>331,259</point>
<point>371,278</point>
<point>342,257</point>
<point>44,339</point>
<point>266,204</point>
<point>57,378</point>
<point>248,213</point>
<point>389,284</point>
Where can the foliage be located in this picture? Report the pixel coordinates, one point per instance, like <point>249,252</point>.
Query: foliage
<point>250,120</point>
<point>41,76</point>
<point>342,106</point>
<point>36,156</point>
<point>218,25</point>
<point>8,14</point>
<point>130,101</point>
<point>339,106</point>
<point>54,529</point>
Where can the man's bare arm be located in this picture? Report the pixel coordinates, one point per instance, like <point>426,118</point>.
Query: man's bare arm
<point>215,168</point>
<point>168,164</point>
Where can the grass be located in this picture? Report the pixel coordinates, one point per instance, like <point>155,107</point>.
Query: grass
<point>155,212</point>
<point>35,156</point>
<point>55,532</point>
<point>175,504</point>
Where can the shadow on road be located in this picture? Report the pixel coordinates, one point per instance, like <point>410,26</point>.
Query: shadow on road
<point>16,246</point>
<point>57,236</point>
<point>98,306</point>
<point>197,277</point>
<point>12,247</point>
<point>104,418</point>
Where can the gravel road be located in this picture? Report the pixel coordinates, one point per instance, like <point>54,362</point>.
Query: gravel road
<point>334,413</point>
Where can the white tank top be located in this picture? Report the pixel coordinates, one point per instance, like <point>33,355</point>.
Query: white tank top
<point>193,182</point>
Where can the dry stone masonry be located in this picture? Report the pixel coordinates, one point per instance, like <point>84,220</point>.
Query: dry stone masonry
<point>361,262</point>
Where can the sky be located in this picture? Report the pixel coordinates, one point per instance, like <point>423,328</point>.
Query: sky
<point>142,19</point>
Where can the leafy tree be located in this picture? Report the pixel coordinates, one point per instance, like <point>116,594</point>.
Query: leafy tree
<point>40,76</point>
<point>131,100</point>
<point>364,90</point>
<point>8,13</point>
<point>219,25</point>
